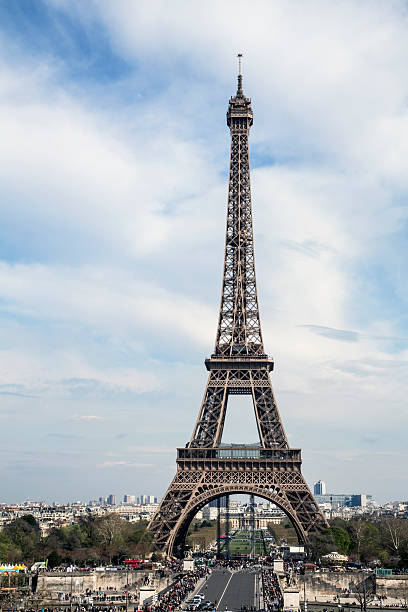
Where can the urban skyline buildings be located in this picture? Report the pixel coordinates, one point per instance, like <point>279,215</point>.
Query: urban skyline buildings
<point>141,500</point>
<point>340,500</point>
<point>319,487</point>
<point>48,516</point>
<point>333,499</point>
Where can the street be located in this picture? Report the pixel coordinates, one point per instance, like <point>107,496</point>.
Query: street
<point>231,590</point>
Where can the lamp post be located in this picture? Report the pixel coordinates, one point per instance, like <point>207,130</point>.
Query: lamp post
<point>70,595</point>
<point>127,588</point>
<point>120,559</point>
<point>304,597</point>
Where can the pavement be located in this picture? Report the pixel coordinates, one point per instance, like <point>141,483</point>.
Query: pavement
<point>230,589</point>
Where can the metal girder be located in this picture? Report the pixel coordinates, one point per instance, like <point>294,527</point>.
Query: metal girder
<point>221,383</point>
<point>239,365</point>
<point>239,327</point>
<point>191,490</point>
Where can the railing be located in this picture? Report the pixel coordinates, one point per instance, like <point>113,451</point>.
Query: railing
<point>239,362</point>
<point>240,452</point>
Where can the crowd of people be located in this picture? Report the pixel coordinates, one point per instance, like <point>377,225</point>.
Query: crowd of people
<point>170,599</point>
<point>118,608</point>
<point>272,593</point>
<point>238,564</point>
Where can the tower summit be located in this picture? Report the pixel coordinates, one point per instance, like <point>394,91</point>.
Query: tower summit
<point>206,470</point>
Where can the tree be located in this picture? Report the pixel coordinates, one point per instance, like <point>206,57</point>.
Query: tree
<point>319,544</point>
<point>403,562</point>
<point>54,559</point>
<point>5,545</point>
<point>30,520</point>
<point>340,539</point>
<point>24,536</point>
<point>364,590</point>
<point>109,530</point>
<point>371,543</point>
<point>88,541</point>
<point>395,533</point>
<point>357,536</point>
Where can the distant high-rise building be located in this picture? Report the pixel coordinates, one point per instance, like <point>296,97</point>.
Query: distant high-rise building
<point>341,500</point>
<point>319,488</point>
<point>112,500</point>
<point>129,499</point>
<point>359,500</point>
<point>146,499</point>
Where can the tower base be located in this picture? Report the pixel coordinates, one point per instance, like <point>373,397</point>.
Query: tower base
<point>206,474</point>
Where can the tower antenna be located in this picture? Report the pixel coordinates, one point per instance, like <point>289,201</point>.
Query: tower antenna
<point>239,90</point>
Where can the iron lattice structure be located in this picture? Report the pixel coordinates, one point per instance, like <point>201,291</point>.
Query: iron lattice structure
<point>207,470</point>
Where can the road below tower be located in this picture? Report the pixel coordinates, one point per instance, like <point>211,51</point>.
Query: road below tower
<point>231,590</point>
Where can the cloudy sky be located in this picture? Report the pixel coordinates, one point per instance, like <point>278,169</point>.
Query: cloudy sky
<point>114,161</point>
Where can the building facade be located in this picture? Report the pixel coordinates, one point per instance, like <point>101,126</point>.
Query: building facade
<point>319,488</point>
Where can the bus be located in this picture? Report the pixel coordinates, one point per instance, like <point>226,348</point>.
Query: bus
<point>138,563</point>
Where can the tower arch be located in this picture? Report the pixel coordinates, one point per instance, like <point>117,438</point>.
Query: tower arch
<point>204,498</point>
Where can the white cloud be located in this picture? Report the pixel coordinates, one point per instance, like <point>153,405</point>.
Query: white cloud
<point>108,298</point>
<point>112,216</point>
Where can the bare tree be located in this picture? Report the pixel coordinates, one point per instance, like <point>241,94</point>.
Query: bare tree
<point>364,590</point>
<point>109,530</point>
<point>358,534</point>
<point>395,533</point>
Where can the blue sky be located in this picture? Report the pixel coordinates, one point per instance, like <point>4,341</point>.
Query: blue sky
<point>114,160</point>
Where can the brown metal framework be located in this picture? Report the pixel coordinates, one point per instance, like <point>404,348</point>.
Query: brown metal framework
<point>205,469</point>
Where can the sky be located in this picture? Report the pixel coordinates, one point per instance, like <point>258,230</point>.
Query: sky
<point>114,157</point>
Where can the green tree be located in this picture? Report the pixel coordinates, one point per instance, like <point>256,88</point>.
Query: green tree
<point>90,541</point>
<point>371,544</point>
<point>340,539</point>
<point>30,520</point>
<point>54,559</point>
<point>24,535</point>
<point>5,546</point>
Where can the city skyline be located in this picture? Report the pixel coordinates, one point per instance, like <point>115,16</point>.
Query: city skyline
<point>114,186</point>
<point>144,498</point>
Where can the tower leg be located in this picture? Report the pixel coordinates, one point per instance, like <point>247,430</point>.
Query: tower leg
<point>218,527</point>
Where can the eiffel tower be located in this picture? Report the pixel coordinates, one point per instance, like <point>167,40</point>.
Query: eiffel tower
<point>206,469</point>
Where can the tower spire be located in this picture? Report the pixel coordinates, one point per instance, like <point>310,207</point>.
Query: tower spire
<point>240,92</point>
